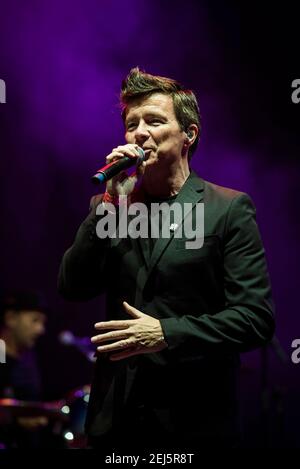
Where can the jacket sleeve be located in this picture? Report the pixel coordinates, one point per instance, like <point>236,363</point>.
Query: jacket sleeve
<point>83,267</point>
<point>247,320</point>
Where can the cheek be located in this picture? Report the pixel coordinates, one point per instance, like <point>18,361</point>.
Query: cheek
<point>129,137</point>
<point>171,139</point>
<point>162,136</point>
<point>29,330</point>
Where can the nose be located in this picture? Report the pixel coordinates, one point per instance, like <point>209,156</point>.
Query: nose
<point>141,133</point>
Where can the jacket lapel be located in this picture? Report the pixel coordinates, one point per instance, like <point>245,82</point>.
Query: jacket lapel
<point>192,193</point>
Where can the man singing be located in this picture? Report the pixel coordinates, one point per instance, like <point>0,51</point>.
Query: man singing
<point>177,318</point>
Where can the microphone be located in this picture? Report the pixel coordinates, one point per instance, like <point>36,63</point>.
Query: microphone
<point>81,343</point>
<point>115,167</point>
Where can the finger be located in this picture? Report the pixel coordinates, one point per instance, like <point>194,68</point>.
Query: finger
<point>130,147</point>
<point>122,151</point>
<point>114,156</point>
<point>122,344</point>
<point>135,313</point>
<point>112,325</point>
<point>127,151</point>
<point>109,336</point>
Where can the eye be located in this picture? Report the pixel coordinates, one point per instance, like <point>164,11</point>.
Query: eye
<point>155,121</point>
<point>130,126</point>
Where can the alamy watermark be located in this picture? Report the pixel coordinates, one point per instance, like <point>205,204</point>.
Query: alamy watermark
<point>295,96</point>
<point>157,220</point>
<point>295,357</point>
<point>2,351</point>
<point>2,92</point>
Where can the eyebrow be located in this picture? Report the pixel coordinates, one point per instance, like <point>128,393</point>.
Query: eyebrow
<point>148,114</point>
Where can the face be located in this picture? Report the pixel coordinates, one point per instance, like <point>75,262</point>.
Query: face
<point>151,123</point>
<point>26,327</point>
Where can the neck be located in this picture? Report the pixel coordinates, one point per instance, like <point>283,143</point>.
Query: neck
<point>165,182</point>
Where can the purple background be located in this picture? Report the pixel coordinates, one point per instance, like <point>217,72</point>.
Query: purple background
<point>63,63</point>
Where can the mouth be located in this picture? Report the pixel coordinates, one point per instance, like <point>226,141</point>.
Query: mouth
<point>148,152</point>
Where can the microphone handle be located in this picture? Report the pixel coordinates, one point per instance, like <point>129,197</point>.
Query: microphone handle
<point>112,169</point>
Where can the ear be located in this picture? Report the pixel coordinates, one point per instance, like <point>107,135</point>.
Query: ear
<point>191,134</point>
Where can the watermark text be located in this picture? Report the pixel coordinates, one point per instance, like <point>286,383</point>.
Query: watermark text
<point>2,92</point>
<point>2,351</point>
<point>159,220</point>
<point>295,96</point>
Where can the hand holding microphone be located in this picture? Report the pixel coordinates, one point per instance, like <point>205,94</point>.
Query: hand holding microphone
<point>118,182</point>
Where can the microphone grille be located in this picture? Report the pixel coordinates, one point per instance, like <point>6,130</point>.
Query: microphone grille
<point>142,156</point>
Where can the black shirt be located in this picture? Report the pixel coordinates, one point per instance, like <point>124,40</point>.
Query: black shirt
<point>153,220</point>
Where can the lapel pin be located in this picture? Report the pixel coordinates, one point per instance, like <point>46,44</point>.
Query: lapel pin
<point>173,227</point>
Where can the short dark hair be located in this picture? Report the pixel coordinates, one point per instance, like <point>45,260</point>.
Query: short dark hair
<point>139,84</point>
<point>21,300</point>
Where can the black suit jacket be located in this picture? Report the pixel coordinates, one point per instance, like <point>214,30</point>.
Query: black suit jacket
<point>213,303</point>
